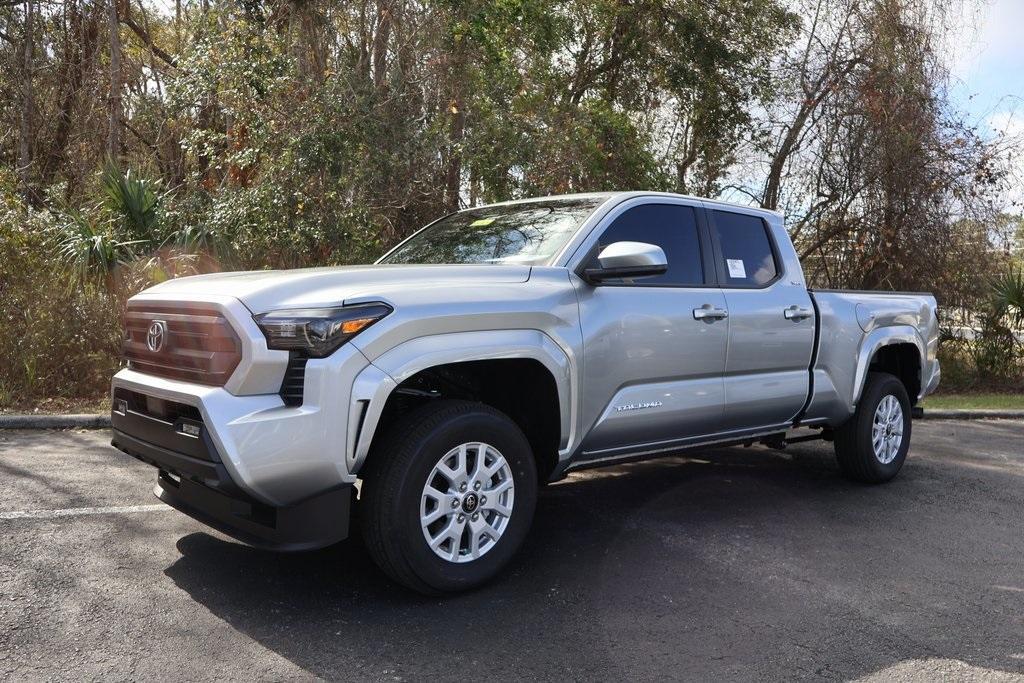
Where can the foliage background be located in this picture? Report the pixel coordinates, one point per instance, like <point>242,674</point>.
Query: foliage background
<point>146,141</point>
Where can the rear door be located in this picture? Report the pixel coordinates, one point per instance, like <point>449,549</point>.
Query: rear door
<point>771,321</point>
<point>652,368</point>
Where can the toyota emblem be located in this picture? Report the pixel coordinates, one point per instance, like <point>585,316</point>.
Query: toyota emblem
<point>156,335</point>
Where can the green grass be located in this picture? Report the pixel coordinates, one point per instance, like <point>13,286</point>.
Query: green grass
<point>989,401</point>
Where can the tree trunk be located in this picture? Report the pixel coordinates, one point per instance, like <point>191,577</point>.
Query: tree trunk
<point>453,176</point>
<point>114,130</point>
<point>83,33</point>
<point>380,42</point>
<point>25,127</point>
<point>457,111</point>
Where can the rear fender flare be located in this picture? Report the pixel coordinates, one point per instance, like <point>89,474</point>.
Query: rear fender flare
<point>876,339</point>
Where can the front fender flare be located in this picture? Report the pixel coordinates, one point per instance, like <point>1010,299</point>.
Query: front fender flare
<point>374,384</point>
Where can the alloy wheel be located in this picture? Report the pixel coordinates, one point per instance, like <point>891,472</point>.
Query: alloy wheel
<point>467,502</point>
<point>887,429</point>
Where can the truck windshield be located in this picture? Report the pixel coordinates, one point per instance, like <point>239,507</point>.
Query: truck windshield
<point>527,233</point>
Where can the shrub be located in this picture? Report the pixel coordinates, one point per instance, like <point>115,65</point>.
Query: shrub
<point>131,202</point>
<point>59,335</point>
<point>88,248</point>
<point>1009,295</point>
<point>984,350</point>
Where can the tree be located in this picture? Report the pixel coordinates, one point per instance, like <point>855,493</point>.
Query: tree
<point>27,103</point>
<point>877,176</point>
<point>116,109</point>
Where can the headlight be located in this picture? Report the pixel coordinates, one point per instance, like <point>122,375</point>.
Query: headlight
<point>318,332</point>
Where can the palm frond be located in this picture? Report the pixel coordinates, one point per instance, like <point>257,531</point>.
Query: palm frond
<point>132,201</point>
<point>89,249</point>
<point>1008,290</point>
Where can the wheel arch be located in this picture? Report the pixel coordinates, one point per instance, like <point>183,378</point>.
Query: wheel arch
<point>897,350</point>
<point>467,365</point>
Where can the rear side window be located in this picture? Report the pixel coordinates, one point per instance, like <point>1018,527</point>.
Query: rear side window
<point>671,227</point>
<point>748,259</point>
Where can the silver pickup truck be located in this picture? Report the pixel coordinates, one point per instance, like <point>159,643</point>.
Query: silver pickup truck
<point>430,394</point>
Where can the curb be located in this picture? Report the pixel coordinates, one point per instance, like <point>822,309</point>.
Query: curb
<point>54,421</point>
<point>976,414</point>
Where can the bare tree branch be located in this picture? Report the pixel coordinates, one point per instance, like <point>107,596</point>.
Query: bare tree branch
<point>144,36</point>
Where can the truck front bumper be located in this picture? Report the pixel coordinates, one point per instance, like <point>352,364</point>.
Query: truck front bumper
<point>314,523</point>
<point>278,454</point>
<point>193,479</point>
<point>267,473</point>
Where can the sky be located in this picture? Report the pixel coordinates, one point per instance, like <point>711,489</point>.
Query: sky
<point>987,85</point>
<point>987,59</point>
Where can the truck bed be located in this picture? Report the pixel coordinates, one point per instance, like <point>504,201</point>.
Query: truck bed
<point>854,324</point>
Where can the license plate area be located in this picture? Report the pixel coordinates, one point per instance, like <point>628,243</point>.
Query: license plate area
<point>156,407</point>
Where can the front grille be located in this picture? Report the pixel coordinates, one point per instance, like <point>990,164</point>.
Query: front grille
<point>198,344</point>
<point>294,382</point>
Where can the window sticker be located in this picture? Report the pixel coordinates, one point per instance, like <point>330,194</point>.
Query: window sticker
<point>481,222</point>
<point>736,269</point>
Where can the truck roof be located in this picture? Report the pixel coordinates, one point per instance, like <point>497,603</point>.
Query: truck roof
<point>620,195</point>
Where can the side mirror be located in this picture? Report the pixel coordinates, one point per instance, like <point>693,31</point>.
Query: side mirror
<point>629,260</point>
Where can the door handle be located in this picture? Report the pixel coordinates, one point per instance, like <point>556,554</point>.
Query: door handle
<point>795,312</point>
<point>709,312</point>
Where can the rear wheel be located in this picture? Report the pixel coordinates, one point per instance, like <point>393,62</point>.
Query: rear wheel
<point>872,445</point>
<point>448,496</point>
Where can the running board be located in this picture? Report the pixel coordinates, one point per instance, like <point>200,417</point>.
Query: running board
<point>779,442</point>
<point>676,448</point>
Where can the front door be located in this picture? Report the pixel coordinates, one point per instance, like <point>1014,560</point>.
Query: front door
<point>652,367</point>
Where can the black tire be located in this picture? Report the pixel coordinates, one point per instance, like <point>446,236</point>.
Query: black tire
<point>853,440</point>
<point>393,480</point>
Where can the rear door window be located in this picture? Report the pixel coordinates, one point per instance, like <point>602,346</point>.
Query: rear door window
<point>748,259</point>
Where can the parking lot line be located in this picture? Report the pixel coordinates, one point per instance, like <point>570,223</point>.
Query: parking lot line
<point>74,512</point>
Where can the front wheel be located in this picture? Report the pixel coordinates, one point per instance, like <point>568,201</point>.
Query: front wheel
<point>872,445</point>
<point>448,496</point>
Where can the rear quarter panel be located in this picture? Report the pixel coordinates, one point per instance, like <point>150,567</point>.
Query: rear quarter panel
<point>854,325</point>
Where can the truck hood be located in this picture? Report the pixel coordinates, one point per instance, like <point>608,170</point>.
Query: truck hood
<point>265,290</point>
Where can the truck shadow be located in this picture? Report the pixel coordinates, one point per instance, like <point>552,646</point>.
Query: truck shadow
<point>737,562</point>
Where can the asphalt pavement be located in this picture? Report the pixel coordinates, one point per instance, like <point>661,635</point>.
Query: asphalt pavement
<point>746,564</point>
